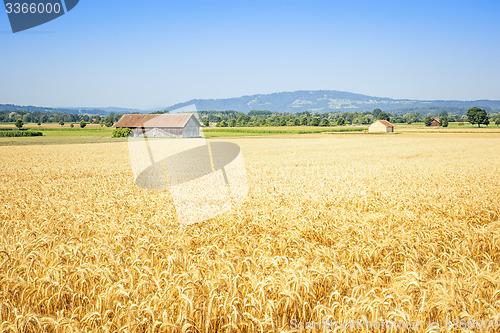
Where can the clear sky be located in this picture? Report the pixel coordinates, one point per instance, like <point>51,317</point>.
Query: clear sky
<point>154,53</point>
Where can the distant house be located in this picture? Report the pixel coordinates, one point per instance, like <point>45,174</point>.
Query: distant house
<point>161,125</point>
<point>435,122</point>
<point>381,126</point>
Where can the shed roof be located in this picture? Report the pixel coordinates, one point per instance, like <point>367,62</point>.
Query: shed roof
<point>156,120</point>
<point>385,123</point>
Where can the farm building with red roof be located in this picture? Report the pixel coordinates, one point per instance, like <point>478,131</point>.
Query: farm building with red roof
<point>381,126</point>
<point>435,122</point>
<point>161,125</point>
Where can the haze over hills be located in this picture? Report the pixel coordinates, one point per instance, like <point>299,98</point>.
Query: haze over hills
<point>328,101</point>
<point>293,102</point>
<point>70,110</point>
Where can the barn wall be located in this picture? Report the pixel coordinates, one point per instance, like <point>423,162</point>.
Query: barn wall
<point>377,128</point>
<point>191,130</point>
<point>173,131</point>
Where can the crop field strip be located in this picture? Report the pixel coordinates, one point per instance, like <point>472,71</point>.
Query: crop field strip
<point>335,227</point>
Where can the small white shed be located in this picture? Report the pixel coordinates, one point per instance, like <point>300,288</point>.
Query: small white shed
<point>381,126</point>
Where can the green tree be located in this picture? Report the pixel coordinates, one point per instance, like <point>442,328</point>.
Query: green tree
<point>13,116</point>
<point>340,121</point>
<point>376,113</point>
<point>206,123</point>
<point>19,123</point>
<point>324,122</point>
<point>497,121</point>
<point>71,125</point>
<point>428,120</point>
<point>243,120</point>
<point>108,121</point>
<point>304,121</point>
<point>384,116</point>
<point>83,123</point>
<point>232,123</point>
<point>39,123</point>
<point>444,121</point>
<point>315,121</point>
<point>121,132</point>
<point>222,123</point>
<point>27,118</point>
<point>477,116</point>
<point>61,122</point>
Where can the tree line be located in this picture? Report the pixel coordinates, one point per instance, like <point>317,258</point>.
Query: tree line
<point>267,118</point>
<point>39,118</point>
<point>258,118</point>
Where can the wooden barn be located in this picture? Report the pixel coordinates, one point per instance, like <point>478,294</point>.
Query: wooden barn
<point>161,125</point>
<point>435,122</point>
<point>381,126</point>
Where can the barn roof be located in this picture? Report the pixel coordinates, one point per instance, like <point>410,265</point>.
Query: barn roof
<point>155,120</point>
<point>386,123</point>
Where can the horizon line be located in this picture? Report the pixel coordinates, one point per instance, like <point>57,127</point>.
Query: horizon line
<point>250,95</point>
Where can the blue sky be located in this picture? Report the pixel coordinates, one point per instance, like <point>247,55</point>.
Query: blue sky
<point>151,53</point>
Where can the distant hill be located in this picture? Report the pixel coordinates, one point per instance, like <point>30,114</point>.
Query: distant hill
<point>293,102</point>
<point>330,101</point>
<point>82,110</point>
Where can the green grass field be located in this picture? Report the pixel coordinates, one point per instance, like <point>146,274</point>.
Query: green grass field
<point>263,131</point>
<point>94,132</point>
<point>66,130</point>
<point>450,125</point>
<point>56,134</point>
<point>60,135</point>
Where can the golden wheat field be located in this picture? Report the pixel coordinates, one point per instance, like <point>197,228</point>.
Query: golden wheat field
<point>336,228</point>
